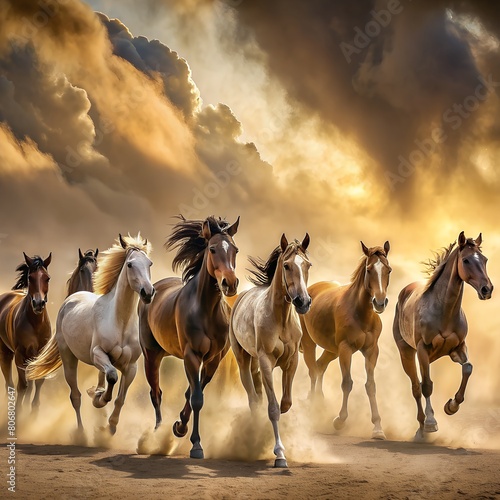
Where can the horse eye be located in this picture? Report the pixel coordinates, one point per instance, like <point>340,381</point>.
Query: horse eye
<point>129,265</point>
<point>212,250</point>
<point>287,267</point>
<point>466,261</point>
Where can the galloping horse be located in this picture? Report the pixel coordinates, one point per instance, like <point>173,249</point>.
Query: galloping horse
<point>81,279</point>
<point>345,319</point>
<point>265,330</point>
<point>188,318</point>
<point>25,324</point>
<point>101,328</point>
<point>430,322</point>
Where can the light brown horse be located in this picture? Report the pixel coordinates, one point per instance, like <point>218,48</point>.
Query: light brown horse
<point>188,318</point>
<point>345,319</point>
<point>265,329</point>
<point>430,322</point>
<point>81,278</point>
<point>25,325</point>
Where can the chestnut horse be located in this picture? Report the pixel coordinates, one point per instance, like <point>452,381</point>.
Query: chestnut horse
<point>101,328</point>
<point>81,278</point>
<point>265,330</point>
<point>25,325</point>
<point>188,318</point>
<point>345,319</point>
<point>430,322</point>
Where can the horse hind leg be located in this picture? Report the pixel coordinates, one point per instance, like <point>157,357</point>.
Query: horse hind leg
<point>324,360</point>
<point>35,404</point>
<point>70,367</point>
<point>430,423</point>
<point>345,357</point>
<point>371,357</point>
<point>309,352</point>
<point>459,356</point>
<point>152,362</point>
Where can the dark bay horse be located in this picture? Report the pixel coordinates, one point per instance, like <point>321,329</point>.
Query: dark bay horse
<point>188,318</point>
<point>265,329</point>
<point>430,322</point>
<point>345,319</point>
<point>25,324</point>
<point>81,278</point>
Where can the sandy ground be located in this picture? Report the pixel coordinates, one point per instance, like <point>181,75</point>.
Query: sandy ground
<point>366,469</point>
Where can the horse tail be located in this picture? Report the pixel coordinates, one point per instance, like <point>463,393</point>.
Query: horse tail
<point>47,361</point>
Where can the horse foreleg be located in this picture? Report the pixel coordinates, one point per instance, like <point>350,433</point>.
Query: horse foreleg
<point>6,356</point>
<point>273,409</point>
<point>248,372</point>
<point>152,362</point>
<point>309,351</point>
<point>459,355</point>
<point>180,427</point>
<point>288,375</point>
<point>35,405</point>
<point>22,384</point>
<point>257,378</point>
<point>127,378</point>
<point>102,362</point>
<point>371,356</point>
<point>430,424</point>
<point>192,363</point>
<point>345,357</point>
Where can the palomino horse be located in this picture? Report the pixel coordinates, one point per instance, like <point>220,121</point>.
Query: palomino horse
<point>81,279</point>
<point>101,328</point>
<point>430,322</point>
<point>345,319</point>
<point>188,319</point>
<point>265,330</point>
<point>25,324</point>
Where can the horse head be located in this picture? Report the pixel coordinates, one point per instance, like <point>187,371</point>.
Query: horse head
<point>472,265</point>
<point>37,281</point>
<point>295,272</point>
<point>221,256</point>
<point>377,271</point>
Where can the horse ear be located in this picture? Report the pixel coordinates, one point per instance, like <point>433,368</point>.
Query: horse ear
<point>479,239</point>
<point>387,247</point>
<point>305,242</point>
<point>205,230</point>
<point>96,253</point>
<point>233,228</point>
<point>80,255</point>
<point>146,242</point>
<point>47,261</point>
<point>28,260</point>
<point>283,242</point>
<point>462,240</point>
<point>122,242</point>
<point>365,249</point>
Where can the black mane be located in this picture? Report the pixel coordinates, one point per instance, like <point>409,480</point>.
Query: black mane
<point>186,237</point>
<point>24,271</point>
<point>264,272</point>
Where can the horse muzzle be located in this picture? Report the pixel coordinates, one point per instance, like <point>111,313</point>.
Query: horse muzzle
<point>147,297</point>
<point>229,289</point>
<point>378,307</point>
<point>38,305</point>
<point>485,292</point>
<point>301,304</point>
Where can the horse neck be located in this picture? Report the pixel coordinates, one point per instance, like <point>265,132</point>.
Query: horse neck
<point>449,289</point>
<point>280,302</point>
<point>359,296</point>
<point>207,291</point>
<point>123,299</point>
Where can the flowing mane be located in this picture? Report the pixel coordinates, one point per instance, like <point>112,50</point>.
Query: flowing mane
<point>359,273</point>
<point>186,237</point>
<point>264,271</point>
<point>24,271</point>
<point>112,261</point>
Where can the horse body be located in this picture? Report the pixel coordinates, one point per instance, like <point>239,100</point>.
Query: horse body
<point>188,318</point>
<point>344,319</point>
<point>430,323</point>
<point>265,329</point>
<point>25,325</point>
<point>102,330</point>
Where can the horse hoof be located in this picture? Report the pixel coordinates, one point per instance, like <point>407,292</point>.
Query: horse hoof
<point>196,453</point>
<point>280,463</point>
<point>179,430</point>
<point>338,423</point>
<point>431,427</point>
<point>379,435</point>
<point>450,409</point>
<point>419,437</point>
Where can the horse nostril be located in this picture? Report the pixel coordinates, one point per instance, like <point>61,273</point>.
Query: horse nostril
<point>485,290</point>
<point>224,283</point>
<point>298,301</point>
<point>386,301</point>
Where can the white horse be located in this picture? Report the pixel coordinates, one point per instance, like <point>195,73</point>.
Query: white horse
<point>265,330</point>
<point>102,328</point>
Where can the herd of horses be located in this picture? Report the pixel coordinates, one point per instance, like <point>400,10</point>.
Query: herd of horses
<point>113,313</point>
